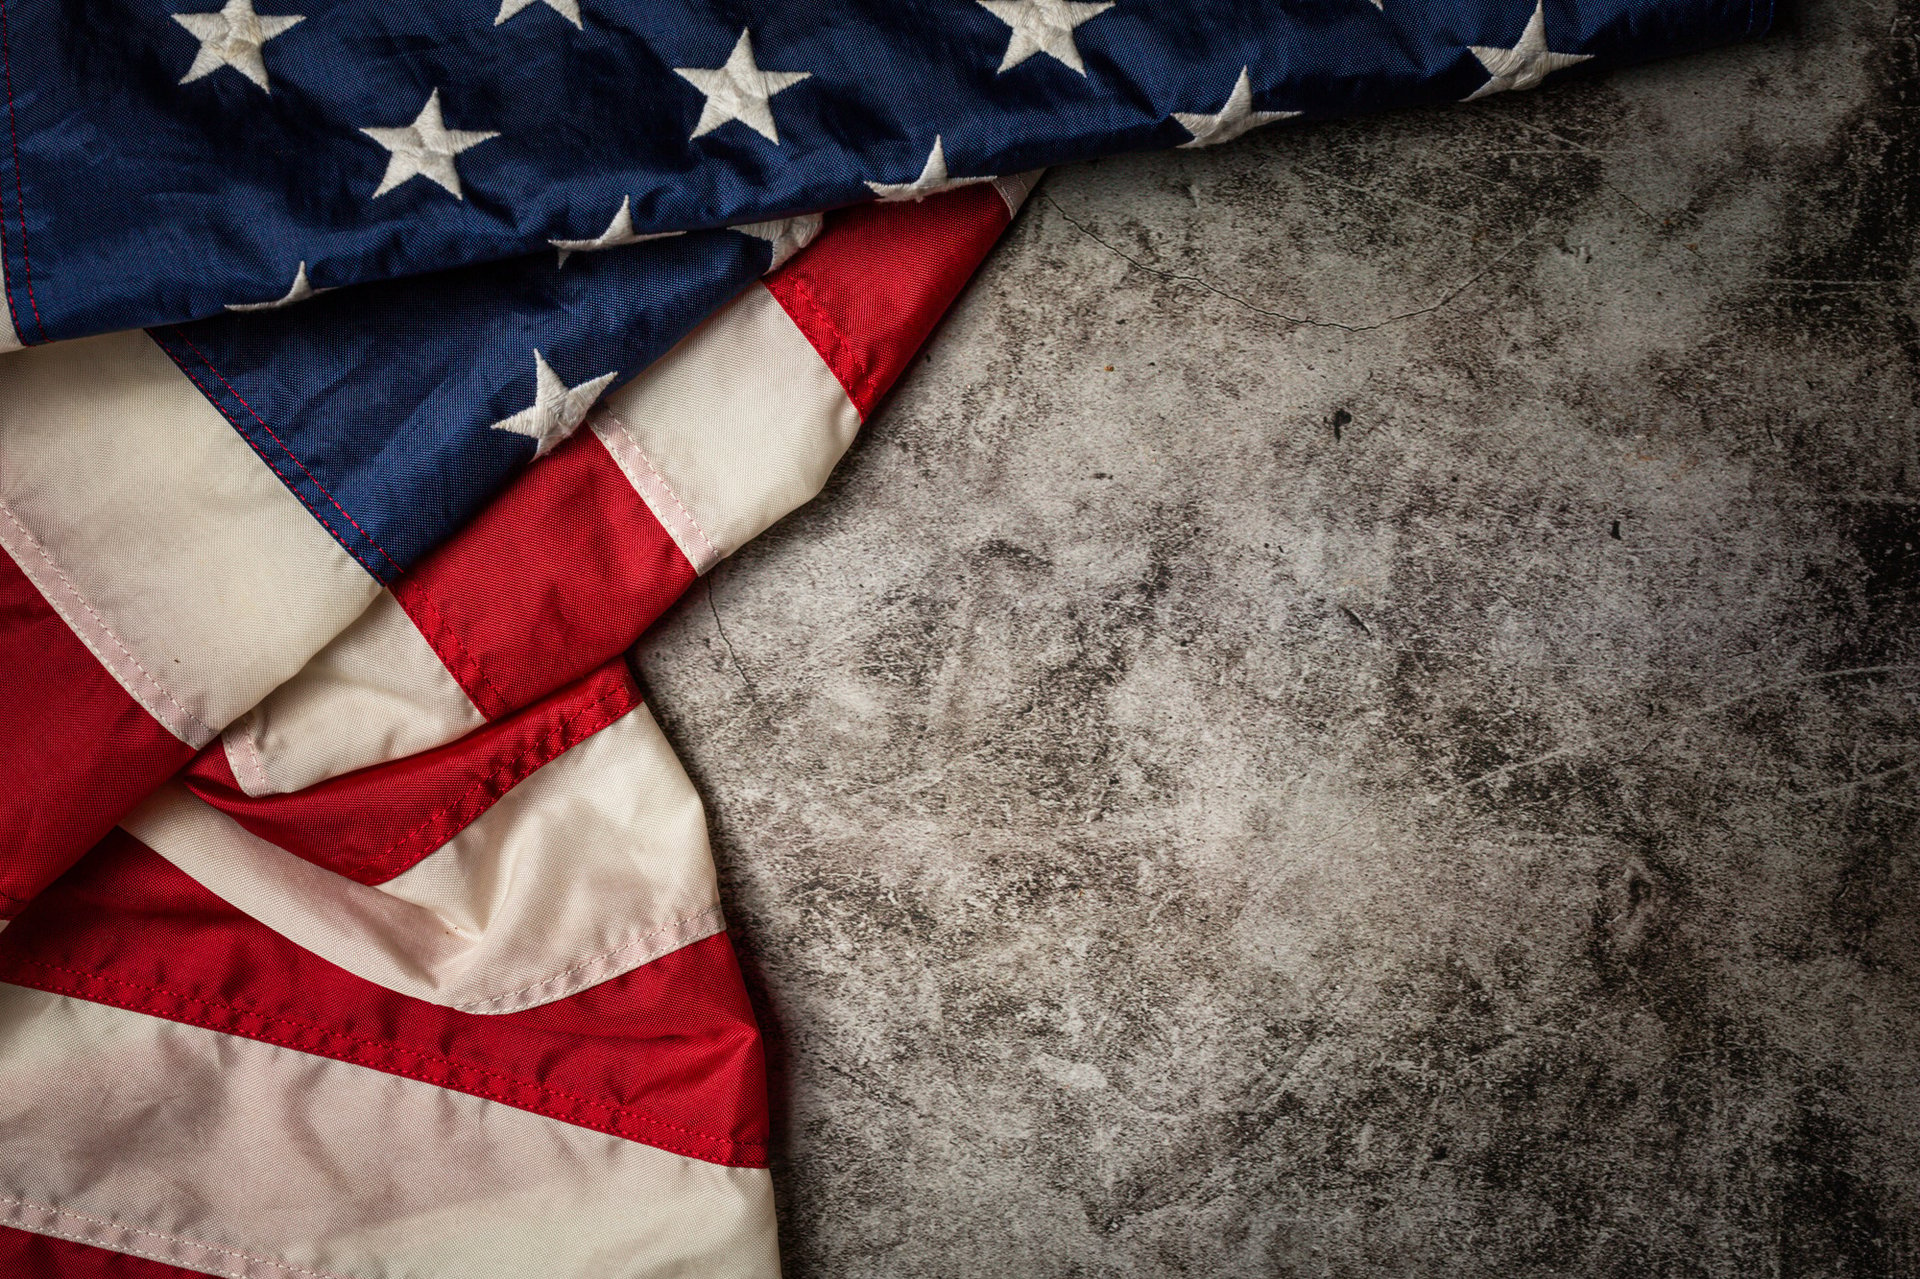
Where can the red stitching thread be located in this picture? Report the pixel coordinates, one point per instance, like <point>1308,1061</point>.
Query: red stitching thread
<point>19,200</point>
<point>444,632</point>
<point>283,448</point>
<point>13,315</point>
<point>302,498</point>
<point>862,374</point>
<point>453,1066</point>
<point>554,740</point>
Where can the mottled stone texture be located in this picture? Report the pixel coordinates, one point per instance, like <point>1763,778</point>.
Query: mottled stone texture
<point>1356,714</point>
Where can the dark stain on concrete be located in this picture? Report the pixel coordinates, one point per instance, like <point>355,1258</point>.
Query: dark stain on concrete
<point>1832,1224</point>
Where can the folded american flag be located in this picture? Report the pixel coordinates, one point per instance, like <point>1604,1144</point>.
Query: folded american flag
<point>462,855</point>
<point>358,919</point>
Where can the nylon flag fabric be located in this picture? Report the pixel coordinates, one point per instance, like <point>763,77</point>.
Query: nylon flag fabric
<point>389,370</point>
<point>293,145</point>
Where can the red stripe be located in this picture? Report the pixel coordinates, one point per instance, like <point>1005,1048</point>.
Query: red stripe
<point>75,749</point>
<point>869,291</point>
<point>373,824</point>
<point>30,1256</point>
<point>558,574</point>
<point>667,1054</point>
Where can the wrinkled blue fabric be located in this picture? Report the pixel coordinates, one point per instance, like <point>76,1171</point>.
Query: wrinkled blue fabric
<point>130,199</point>
<point>376,404</point>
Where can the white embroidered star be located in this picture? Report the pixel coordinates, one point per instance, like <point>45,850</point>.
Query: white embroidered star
<point>739,91</point>
<point>933,177</point>
<point>568,9</point>
<point>424,149</point>
<point>1230,121</point>
<point>300,292</point>
<point>1043,26</point>
<point>557,408</point>
<point>619,231</point>
<point>787,236</point>
<point>232,38</point>
<point>1526,64</point>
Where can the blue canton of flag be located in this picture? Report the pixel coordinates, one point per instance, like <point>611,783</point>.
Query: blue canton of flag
<point>167,160</point>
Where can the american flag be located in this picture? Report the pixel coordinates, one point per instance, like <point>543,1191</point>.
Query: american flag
<point>386,371</point>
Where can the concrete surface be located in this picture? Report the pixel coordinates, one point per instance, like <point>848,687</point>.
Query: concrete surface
<point>1411,771</point>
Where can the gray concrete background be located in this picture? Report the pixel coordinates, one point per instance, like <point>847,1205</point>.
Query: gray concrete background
<point>1411,771</point>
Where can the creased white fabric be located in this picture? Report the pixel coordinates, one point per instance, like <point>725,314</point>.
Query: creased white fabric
<point>248,1160</point>
<point>595,864</point>
<point>178,557</point>
<point>377,692</point>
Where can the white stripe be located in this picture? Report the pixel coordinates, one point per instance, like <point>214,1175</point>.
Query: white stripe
<point>245,1159</point>
<point>184,564</point>
<point>377,692</point>
<point>733,428</point>
<point>60,593</point>
<point>9,340</point>
<point>622,446</point>
<point>1016,187</point>
<point>595,864</point>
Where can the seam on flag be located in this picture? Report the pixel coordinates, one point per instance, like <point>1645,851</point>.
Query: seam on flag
<point>249,769</point>
<point>846,361</point>
<point>703,555</point>
<point>535,992</point>
<point>120,1249</point>
<point>471,676</point>
<point>437,827</point>
<point>182,723</point>
<point>379,574</point>
<point>19,198</point>
<point>249,1258</point>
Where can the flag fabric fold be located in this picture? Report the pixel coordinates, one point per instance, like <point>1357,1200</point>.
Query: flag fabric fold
<point>518,907</point>
<point>322,1124</point>
<point>201,588</point>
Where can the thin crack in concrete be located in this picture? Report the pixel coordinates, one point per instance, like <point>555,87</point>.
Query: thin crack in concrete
<point>733,656</point>
<point>1302,321</point>
<point>1260,878</point>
